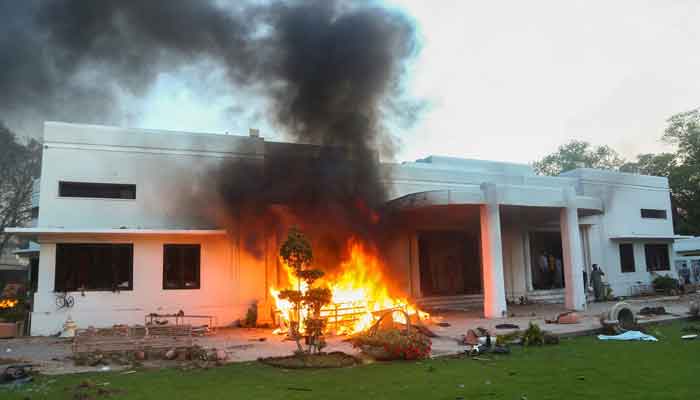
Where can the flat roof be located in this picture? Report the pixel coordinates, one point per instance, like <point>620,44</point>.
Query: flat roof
<point>112,231</point>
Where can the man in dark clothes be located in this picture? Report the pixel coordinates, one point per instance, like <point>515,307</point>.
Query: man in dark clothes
<point>597,282</point>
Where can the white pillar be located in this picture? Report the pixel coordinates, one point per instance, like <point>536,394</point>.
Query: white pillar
<point>575,294</point>
<point>492,255</point>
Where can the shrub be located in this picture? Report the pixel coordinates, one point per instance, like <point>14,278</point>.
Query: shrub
<point>665,283</point>
<point>396,343</point>
<point>533,335</point>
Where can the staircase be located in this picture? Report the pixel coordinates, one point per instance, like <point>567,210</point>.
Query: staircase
<point>451,303</point>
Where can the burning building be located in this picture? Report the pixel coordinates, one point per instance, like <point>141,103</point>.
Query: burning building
<point>135,221</point>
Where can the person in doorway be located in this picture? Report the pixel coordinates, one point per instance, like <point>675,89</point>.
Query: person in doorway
<point>597,282</point>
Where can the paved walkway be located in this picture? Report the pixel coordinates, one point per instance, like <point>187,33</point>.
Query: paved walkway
<point>51,354</point>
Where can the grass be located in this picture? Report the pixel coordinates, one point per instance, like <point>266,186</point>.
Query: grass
<point>581,368</point>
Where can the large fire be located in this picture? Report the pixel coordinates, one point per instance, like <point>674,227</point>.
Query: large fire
<point>360,295</point>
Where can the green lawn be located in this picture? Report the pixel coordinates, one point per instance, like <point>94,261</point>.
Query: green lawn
<point>582,368</point>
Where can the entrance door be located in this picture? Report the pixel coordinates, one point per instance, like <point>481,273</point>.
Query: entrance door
<point>450,263</point>
<point>547,261</point>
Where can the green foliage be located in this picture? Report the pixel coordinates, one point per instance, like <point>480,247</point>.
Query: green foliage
<point>533,335</point>
<point>297,253</point>
<point>296,250</point>
<point>682,167</point>
<point>398,344</point>
<point>316,298</point>
<point>576,154</point>
<point>309,275</point>
<point>579,368</point>
<point>665,283</point>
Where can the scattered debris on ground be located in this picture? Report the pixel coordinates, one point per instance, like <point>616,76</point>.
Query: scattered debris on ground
<point>569,317</point>
<point>653,311</point>
<point>16,374</point>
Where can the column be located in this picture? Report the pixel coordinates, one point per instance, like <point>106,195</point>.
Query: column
<point>575,294</point>
<point>492,255</point>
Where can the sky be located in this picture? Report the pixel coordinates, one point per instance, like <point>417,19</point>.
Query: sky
<point>510,80</point>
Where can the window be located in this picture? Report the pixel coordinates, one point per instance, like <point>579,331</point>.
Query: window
<point>181,266</point>
<point>97,190</point>
<point>627,257</point>
<point>657,257</point>
<point>98,266</point>
<point>651,213</point>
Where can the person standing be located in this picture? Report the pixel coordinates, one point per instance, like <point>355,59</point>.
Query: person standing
<point>597,282</point>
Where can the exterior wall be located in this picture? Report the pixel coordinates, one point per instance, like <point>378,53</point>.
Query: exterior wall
<point>623,196</point>
<point>170,171</point>
<point>230,281</point>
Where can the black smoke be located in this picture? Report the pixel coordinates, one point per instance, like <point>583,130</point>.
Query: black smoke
<point>329,73</point>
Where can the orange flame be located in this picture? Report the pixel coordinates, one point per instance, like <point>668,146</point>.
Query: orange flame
<point>8,303</point>
<point>360,295</point>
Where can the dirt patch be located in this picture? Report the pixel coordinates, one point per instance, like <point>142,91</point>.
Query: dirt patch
<point>336,359</point>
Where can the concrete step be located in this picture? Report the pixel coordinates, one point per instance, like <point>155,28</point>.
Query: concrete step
<point>451,302</point>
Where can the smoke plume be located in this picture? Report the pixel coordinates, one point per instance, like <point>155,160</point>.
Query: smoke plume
<point>329,72</point>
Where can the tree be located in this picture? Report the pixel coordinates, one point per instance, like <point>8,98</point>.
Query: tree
<point>683,131</point>
<point>20,164</point>
<point>296,252</point>
<point>576,154</point>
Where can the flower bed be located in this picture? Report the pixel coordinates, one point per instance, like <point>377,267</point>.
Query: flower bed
<point>394,344</point>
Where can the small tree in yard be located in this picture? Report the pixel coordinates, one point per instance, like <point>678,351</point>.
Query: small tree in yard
<point>308,301</point>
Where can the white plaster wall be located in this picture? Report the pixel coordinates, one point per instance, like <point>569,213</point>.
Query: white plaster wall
<point>229,283</point>
<point>170,170</point>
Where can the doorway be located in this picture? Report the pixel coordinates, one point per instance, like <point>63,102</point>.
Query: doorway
<point>450,263</point>
<point>546,260</point>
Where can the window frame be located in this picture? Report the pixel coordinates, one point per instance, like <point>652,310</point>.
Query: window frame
<point>113,186</point>
<point>653,213</point>
<point>622,258</point>
<point>647,247</point>
<point>61,288</point>
<point>198,267</point>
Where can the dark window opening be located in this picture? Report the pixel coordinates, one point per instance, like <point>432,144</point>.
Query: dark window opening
<point>33,274</point>
<point>181,266</point>
<point>98,266</point>
<point>656,214</point>
<point>97,190</point>
<point>657,257</point>
<point>627,257</point>
<point>450,263</point>
<point>35,212</point>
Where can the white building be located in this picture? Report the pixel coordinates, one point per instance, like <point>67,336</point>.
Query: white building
<point>113,196</point>
<point>687,252</point>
